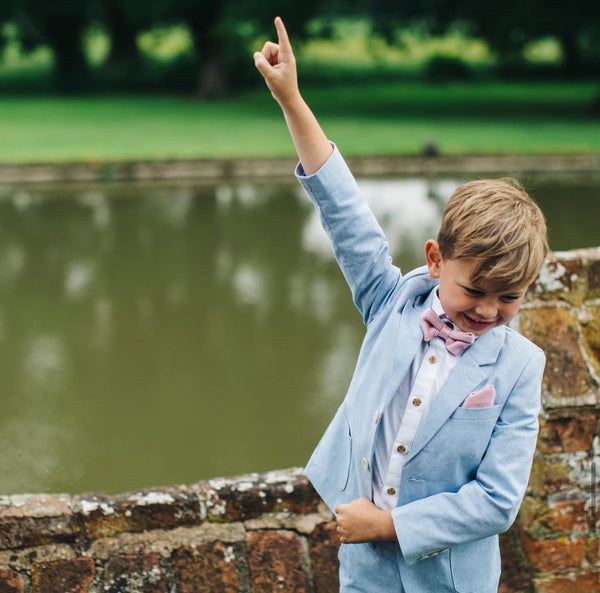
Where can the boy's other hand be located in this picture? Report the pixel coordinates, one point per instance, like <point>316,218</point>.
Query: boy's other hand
<point>277,65</point>
<point>361,521</point>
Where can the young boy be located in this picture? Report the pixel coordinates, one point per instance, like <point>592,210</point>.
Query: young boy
<point>427,458</point>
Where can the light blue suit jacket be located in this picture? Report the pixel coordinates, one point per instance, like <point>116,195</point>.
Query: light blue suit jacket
<point>466,474</point>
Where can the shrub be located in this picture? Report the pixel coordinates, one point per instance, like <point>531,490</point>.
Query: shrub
<point>442,68</point>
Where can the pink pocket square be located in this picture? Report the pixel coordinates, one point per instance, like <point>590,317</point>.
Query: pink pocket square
<point>481,399</point>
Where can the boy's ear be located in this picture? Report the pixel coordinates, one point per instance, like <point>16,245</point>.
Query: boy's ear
<point>433,257</point>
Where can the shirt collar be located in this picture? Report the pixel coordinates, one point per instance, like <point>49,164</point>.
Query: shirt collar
<point>437,306</point>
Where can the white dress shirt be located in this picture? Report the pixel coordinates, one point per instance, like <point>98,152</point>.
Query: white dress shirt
<point>407,410</point>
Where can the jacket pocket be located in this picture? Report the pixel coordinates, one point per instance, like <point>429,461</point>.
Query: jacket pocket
<point>475,566</point>
<point>475,414</point>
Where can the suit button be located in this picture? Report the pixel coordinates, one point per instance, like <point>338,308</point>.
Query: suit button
<point>365,463</point>
<point>391,491</point>
<point>401,449</point>
<point>432,360</point>
<point>416,402</point>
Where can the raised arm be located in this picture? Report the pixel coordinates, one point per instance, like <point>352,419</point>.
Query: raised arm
<point>277,65</point>
<point>358,242</point>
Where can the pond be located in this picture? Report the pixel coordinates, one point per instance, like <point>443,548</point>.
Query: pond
<point>169,332</point>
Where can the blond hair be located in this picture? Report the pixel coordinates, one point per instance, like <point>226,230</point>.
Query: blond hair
<point>495,223</point>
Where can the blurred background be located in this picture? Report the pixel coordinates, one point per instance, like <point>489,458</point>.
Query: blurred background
<point>168,331</point>
<point>199,47</point>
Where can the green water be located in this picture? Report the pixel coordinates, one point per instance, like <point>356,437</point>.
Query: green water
<point>164,333</point>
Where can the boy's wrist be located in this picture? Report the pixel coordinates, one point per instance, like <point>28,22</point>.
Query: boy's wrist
<point>292,103</point>
<point>386,530</point>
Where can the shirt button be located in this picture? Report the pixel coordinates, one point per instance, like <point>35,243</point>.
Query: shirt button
<point>376,417</point>
<point>416,402</point>
<point>365,463</point>
<point>432,360</point>
<point>401,449</point>
<point>391,491</point>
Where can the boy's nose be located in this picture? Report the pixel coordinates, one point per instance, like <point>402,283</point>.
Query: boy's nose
<point>487,310</point>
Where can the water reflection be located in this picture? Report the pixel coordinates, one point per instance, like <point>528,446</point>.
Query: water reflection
<point>161,334</point>
<point>408,209</point>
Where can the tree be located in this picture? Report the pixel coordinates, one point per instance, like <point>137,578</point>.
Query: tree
<point>61,24</point>
<point>222,32</point>
<point>576,25</point>
<point>122,25</point>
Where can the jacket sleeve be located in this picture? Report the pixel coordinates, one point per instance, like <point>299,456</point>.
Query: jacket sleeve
<point>488,504</point>
<point>359,244</point>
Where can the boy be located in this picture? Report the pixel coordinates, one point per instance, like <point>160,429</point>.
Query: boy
<point>427,458</point>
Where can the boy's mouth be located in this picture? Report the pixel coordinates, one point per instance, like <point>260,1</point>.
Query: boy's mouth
<point>478,324</point>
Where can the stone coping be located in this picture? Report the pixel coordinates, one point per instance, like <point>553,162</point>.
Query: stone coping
<point>36,519</point>
<point>267,168</point>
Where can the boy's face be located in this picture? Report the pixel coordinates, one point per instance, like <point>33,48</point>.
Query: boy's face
<point>472,308</point>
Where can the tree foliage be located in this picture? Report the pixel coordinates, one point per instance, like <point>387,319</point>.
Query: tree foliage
<point>576,24</point>
<point>221,32</point>
<point>61,25</point>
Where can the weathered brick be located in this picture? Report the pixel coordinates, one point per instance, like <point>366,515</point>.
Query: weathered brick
<point>593,273</point>
<point>135,574</point>
<point>581,582</point>
<point>209,568</point>
<point>34,519</point>
<point>592,550</point>
<point>590,329</point>
<point>562,276</point>
<point>163,508</point>
<point>275,562</point>
<point>540,519</point>
<point>570,434</point>
<point>23,558</point>
<point>554,555</point>
<point>531,508</point>
<point>164,542</point>
<point>570,516</point>
<point>515,576</point>
<point>10,581</point>
<point>567,381</point>
<point>250,496</point>
<point>550,476</point>
<point>323,544</point>
<point>63,576</point>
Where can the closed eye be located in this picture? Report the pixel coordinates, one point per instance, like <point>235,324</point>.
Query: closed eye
<point>474,292</point>
<point>510,298</point>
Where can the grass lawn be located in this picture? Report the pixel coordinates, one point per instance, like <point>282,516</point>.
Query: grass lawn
<point>383,119</point>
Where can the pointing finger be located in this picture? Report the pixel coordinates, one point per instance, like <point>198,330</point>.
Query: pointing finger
<point>284,40</point>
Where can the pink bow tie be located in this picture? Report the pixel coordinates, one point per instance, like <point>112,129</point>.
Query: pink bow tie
<point>456,340</point>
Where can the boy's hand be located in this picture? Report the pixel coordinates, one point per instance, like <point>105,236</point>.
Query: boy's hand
<point>361,521</point>
<point>277,65</point>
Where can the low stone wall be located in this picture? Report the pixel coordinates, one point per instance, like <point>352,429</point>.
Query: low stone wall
<point>270,532</point>
<point>260,532</point>
<point>216,169</point>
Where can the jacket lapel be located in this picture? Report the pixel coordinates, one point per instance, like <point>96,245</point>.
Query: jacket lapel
<point>464,378</point>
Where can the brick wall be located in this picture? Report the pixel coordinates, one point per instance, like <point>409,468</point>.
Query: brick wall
<point>259,532</point>
<point>556,533</point>
<point>269,532</point>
